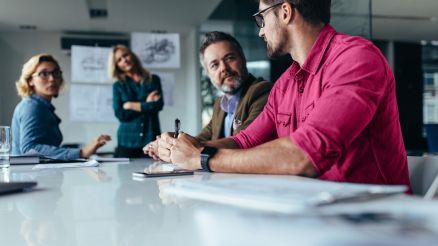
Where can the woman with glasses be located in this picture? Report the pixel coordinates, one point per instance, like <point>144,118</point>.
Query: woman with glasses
<point>136,101</point>
<point>35,126</point>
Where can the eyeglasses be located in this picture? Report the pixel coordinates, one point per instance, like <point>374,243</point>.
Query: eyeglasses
<point>258,17</point>
<point>45,75</point>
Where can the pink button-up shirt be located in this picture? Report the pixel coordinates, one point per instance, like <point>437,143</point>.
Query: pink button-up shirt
<point>340,108</point>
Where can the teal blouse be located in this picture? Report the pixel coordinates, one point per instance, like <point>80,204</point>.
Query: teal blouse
<point>137,128</point>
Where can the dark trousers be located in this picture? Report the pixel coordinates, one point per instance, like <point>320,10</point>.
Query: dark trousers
<point>129,152</point>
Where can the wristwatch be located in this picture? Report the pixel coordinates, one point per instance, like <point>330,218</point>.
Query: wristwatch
<point>207,153</point>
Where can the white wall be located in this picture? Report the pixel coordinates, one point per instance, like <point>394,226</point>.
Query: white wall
<point>17,47</point>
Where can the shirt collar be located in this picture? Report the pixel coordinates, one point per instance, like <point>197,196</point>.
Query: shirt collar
<point>319,48</point>
<point>229,103</point>
<point>42,101</point>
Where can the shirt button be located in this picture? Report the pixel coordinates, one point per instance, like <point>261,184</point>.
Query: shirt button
<point>141,134</point>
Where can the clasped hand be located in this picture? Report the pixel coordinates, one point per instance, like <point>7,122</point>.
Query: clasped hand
<point>183,151</point>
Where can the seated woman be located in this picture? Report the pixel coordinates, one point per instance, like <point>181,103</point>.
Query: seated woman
<point>35,126</point>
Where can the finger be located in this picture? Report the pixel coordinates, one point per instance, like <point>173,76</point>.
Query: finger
<point>164,154</point>
<point>168,138</point>
<point>164,144</point>
<point>104,137</point>
<point>167,135</point>
<point>181,134</point>
<point>155,157</point>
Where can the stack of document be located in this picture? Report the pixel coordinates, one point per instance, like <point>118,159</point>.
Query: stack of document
<point>108,159</point>
<point>283,195</point>
<point>90,163</point>
<point>36,158</point>
<point>24,159</point>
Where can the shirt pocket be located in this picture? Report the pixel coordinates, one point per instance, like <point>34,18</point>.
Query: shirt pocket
<point>283,124</point>
<point>307,111</point>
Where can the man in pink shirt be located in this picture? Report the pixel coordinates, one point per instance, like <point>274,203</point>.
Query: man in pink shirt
<point>332,114</point>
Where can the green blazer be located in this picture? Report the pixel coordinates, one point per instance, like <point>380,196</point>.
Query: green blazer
<point>253,98</point>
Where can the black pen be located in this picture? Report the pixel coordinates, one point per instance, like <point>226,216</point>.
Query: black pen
<point>177,127</point>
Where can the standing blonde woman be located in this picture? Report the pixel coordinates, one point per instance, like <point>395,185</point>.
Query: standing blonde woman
<point>35,126</point>
<point>136,101</point>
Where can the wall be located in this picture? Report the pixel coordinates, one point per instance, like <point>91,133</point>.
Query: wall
<point>17,47</point>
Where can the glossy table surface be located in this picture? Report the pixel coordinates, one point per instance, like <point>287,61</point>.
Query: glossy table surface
<point>105,206</point>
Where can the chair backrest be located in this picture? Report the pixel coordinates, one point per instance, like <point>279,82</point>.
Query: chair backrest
<point>423,173</point>
<point>432,137</point>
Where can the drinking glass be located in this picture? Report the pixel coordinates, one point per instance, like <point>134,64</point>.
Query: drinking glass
<point>5,146</point>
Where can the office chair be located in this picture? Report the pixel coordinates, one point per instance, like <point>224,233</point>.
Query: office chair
<point>423,174</point>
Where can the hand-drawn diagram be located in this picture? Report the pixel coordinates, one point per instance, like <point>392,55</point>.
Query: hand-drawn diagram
<point>157,50</point>
<point>89,64</point>
<point>93,63</point>
<point>91,103</point>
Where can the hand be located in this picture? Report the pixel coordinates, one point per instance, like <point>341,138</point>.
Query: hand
<point>136,106</point>
<point>153,96</point>
<point>165,142</point>
<point>151,149</point>
<point>91,148</point>
<point>186,152</point>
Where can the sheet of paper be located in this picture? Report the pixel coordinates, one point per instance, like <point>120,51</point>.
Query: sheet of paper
<point>89,64</point>
<point>108,159</point>
<point>290,195</point>
<point>91,103</point>
<point>167,85</point>
<point>157,50</point>
<point>91,163</point>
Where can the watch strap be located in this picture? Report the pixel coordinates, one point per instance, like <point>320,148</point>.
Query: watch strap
<point>207,153</point>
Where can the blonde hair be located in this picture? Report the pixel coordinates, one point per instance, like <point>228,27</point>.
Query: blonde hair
<point>29,68</point>
<point>114,71</point>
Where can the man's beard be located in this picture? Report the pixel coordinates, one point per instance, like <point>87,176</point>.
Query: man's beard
<point>275,52</point>
<point>231,89</point>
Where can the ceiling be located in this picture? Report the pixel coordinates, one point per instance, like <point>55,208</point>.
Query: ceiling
<point>408,20</point>
<point>123,15</point>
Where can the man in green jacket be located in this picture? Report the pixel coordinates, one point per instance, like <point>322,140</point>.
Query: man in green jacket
<point>244,95</point>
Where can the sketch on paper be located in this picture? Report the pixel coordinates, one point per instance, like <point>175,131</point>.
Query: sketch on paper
<point>167,86</point>
<point>157,50</point>
<point>91,103</point>
<point>89,64</point>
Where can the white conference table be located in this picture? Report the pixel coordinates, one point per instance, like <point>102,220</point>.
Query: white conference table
<point>105,206</point>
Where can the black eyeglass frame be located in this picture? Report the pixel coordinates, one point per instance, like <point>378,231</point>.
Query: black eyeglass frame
<point>56,74</point>
<point>260,16</point>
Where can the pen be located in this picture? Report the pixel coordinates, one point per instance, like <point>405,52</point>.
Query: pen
<point>177,127</point>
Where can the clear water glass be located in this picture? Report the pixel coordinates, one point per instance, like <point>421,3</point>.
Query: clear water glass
<point>5,146</point>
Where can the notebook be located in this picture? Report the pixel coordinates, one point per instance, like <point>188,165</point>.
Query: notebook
<point>292,195</point>
<point>9,187</point>
<point>36,159</point>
